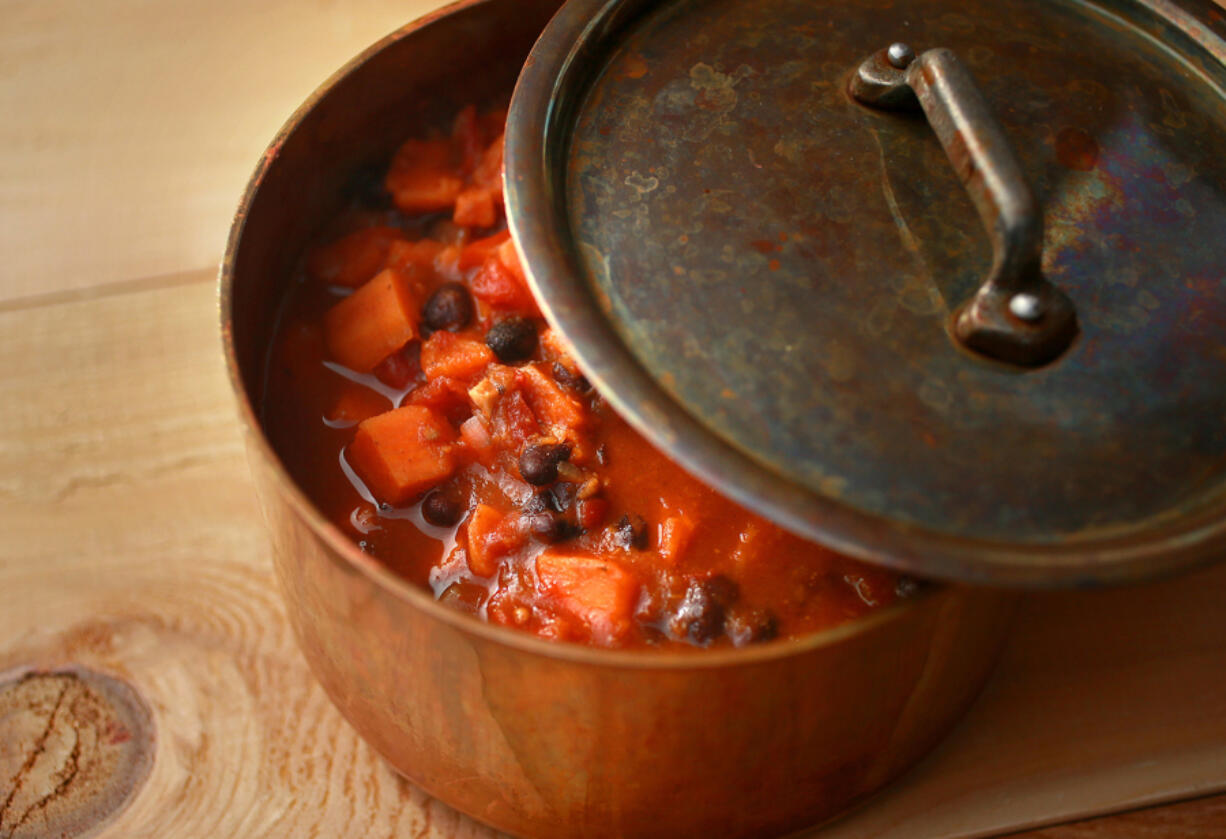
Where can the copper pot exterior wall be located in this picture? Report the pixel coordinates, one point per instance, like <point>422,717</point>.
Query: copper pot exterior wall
<point>551,740</point>
<point>541,745</point>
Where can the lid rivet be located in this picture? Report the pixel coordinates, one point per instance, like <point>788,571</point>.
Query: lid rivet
<point>900,55</point>
<point>1026,307</point>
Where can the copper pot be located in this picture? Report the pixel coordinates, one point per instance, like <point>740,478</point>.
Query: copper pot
<point>532,737</point>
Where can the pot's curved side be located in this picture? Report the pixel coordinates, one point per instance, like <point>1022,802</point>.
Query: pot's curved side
<point>556,740</point>
<point>546,746</point>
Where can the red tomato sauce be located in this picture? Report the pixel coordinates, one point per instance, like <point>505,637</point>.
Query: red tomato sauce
<point>415,392</point>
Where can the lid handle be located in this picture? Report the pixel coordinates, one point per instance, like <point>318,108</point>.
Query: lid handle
<point>1017,316</point>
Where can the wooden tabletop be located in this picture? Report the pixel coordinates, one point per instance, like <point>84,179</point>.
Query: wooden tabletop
<point>133,548</point>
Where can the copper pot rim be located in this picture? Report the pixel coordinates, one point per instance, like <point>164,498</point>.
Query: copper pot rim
<point>403,590</point>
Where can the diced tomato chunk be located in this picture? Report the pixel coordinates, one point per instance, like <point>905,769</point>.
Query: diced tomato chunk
<point>600,592</point>
<point>444,395</point>
<point>421,178</point>
<point>556,408</point>
<point>447,354</point>
<point>401,368</point>
<point>402,453</point>
<point>495,284</point>
<point>373,322</point>
<point>558,349</point>
<point>514,422</point>
<point>352,260</point>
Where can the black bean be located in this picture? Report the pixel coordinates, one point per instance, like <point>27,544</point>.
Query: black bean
<point>721,590</point>
<point>632,533</point>
<point>512,340</point>
<point>441,508</point>
<point>538,463</point>
<point>562,495</point>
<point>450,307</point>
<point>698,617</point>
<point>751,627</point>
<point>574,381</point>
<point>550,527</point>
<point>538,503</point>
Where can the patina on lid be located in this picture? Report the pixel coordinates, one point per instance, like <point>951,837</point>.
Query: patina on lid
<point>772,280</point>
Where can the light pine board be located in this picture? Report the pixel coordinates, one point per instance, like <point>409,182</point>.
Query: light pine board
<point>130,127</point>
<point>1202,818</point>
<point>132,544</point>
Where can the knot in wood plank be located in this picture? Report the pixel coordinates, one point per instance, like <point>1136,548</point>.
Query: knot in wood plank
<point>74,747</point>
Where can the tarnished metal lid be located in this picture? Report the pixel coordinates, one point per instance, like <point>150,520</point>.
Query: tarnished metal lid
<point>784,288</point>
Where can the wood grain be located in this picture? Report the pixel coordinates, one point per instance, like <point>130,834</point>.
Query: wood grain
<point>133,546</point>
<point>1202,818</point>
<point>78,746</point>
<point>1101,698</point>
<point>131,126</point>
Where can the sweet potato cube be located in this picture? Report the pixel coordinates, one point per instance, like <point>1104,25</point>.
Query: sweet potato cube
<point>421,178</point>
<point>444,396</point>
<point>475,207</point>
<point>402,453</point>
<point>509,257</point>
<point>446,264</point>
<point>475,253</point>
<point>599,592</point>
<point>373,322</point>
<point>491,536</point>
<point>446,354</point>
<point>410,256</point>
<point>352,260</point>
